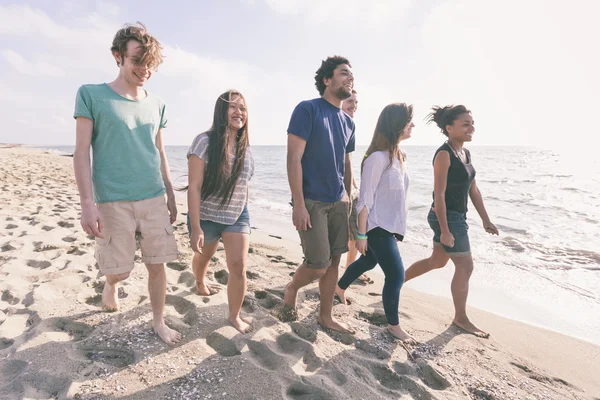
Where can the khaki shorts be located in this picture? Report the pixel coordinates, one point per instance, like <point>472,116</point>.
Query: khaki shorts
<point>329,233</point>
<point>123,221</point>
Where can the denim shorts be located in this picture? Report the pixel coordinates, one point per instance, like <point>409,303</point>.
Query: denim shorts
<point>457,223</point>
<point>213,230</point>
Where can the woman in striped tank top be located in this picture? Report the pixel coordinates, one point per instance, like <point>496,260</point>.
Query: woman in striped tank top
<point>220,165</point>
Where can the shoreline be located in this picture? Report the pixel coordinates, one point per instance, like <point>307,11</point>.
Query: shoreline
<point>56,342</point>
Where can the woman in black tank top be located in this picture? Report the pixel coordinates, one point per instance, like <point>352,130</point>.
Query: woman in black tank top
<point>454,183</point>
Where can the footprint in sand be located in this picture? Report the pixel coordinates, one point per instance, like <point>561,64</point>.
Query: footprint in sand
<point>116,357</point>
<point>8,297</point>
<point>186,309</point>
<point>11,226</point>
<point>176,265</point>
<point>7,247</point>
<point>221,341</point>
<point>432,378</point>
<point>267,300</point>
<point>78,330</point>
<point>5,343</point>
<point>252,275</point>
<point>305,331</point>
<point>75,251</point>
<point>39,264</point>
<point>290,344</point>
<point>69,239</point>
<point>302,391</point>
<point>265,357</point>
<point>389,379</point>
<point>65,224</point>
<point>187,278</point>
<point>373,348</point>
<point>539,377</point>
<point>28,300</point>
<point>222,276</point>
<point>377,317</point>
<point>47,228</point>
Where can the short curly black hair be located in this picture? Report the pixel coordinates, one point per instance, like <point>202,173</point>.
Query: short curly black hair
<point>326,71</point>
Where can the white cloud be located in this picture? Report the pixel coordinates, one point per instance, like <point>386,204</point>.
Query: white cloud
<point>33,68</point>
<point>77,53</point>
<point>526,68</point>
<point>355,13</point>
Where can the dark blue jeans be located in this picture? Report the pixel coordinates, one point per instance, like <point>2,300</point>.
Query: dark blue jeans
<point>382,250</point>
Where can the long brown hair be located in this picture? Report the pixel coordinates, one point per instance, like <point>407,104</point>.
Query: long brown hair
<point>390,126</point>
<point>219,177</point>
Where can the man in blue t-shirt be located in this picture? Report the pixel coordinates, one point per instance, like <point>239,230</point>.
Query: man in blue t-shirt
<point>320,140</point>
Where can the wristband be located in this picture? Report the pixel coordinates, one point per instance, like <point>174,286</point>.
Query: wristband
<point>361,236</point>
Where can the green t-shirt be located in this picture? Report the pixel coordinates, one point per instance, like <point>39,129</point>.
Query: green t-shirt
<point>126,162</point>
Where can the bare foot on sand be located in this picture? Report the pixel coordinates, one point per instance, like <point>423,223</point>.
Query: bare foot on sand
<point>241,325</point>
<point>334,325</point>
<point>400,334</point>
<point>168,335</point>
<point>110,299</point>
<point>290,297</point>
<point>289,313</point>
<point>202,289</point>
<point>341,294</point>
<point>467,326</point>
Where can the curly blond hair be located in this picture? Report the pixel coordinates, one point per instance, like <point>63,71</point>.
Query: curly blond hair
<point>150,55</point>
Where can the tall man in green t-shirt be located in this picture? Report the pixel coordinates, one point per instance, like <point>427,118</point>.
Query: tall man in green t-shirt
<point>130,174</point>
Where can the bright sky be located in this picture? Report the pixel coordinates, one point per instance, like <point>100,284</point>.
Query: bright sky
<point>528,69</point>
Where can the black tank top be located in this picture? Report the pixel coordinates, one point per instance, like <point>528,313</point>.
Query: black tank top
<point>460,178</point>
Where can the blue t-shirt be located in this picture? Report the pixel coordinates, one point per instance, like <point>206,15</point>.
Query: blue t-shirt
<point>329,135</point>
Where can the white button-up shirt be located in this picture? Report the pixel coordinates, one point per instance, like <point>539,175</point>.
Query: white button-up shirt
<point>383,190</point>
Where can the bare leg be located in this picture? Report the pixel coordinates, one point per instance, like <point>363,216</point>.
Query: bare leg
<point>303,276</point>
<point>200,267</point>
<point>110,299</point>
<point>351,257</point>
<point>460,292</point>
<point>352,253</point>
<point>157,288</point>
<point>327,286</point>
<point>236,254</point>
<point>438,259</point>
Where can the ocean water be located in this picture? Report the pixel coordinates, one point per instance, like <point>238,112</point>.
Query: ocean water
<point>543,268</point>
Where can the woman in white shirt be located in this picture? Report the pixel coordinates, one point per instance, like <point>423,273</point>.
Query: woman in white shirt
<point>382,211</point>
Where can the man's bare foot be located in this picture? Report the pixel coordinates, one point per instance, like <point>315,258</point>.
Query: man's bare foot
<point>110,299</point>
<point>467,326</point>
<point>168,335</point>
<point>290,297</point>
<point>341,294</point>
<point>202,289</point>
<point>241,325</point>
<point>334,325</point>
<point>288,314</point>
<point>400,334</point>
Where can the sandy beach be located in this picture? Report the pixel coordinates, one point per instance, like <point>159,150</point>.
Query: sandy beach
<point>57,343</point>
